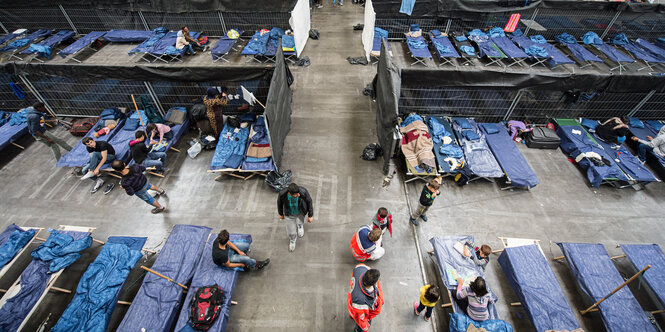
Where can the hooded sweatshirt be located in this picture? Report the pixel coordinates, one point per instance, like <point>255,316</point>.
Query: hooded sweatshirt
<point>134,180</point>
<point>139,151</point>
<point>657,143</point>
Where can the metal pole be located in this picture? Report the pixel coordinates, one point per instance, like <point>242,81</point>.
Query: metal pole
<point>221,21</point>
<point>533,19</point>
<point>3,28</point>
<point>641,103</point>
<point>154,98</point>
<point>71,24</point>
<point>36,93</point>
<point>450,22</point>
<point>609,26</point>
<point>513,105</point>
<point>145,23</point>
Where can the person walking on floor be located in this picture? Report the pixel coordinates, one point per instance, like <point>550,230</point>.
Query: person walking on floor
<point>366,244</point>
<point>228,254</point>
<point>101,152</point>
<point>429,296</point>
<point>365,298</point>
<point>294,203</point>
<point>655,145</point>
<point>427,196</point>
<point>135,183</point>
<point>35,120</point>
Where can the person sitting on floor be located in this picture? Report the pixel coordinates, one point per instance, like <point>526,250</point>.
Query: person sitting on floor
<point>143,154</point>
<point>104,131</point>
<point>184,40</point>
<point>236,256</point>
<point>518,129</point>
<point>366,244</point>
<point>477,296</point>
<point>613,130</point>
<point>480,256</point>
<point>163,130</point>
<point>655,145</point>
<point>101,152</point>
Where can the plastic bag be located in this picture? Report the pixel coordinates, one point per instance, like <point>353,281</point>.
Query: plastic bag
<point>194,150</point>
<point>278,181</point>
<point>372,151</point>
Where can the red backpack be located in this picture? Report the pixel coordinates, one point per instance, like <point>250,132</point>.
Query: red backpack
<point>205,307</point>
<point>83,126</point>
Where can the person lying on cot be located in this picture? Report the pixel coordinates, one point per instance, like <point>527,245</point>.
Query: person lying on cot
<point>104,131</point>
<point>613,130</point>
<point>477,296</point>
<point>655,145</point>
<point>480,255</point>
<point>227,254</point>
<point>163,130</point>
<point>518,129</point>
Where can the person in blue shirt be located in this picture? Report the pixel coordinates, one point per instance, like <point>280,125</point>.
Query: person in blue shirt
<point>35,120</point>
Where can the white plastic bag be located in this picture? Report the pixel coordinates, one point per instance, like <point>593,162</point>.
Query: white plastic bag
<point>194,150</point>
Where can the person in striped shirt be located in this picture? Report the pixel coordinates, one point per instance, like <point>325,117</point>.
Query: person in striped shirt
<point>478,296</point>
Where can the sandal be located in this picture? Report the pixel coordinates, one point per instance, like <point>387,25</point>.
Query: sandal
<point>158,210</point>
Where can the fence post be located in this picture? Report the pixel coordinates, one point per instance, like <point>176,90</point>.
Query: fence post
<point>71,24</point>
<point>450,22</point>
<point>513,105</point>
<point>221,21</point>
<point>609,26</point>
<point>37,94</point>
<point>3,28</point>
<point>145,23</point>
<point>533,19</point>
<point>154,97</point>
<point>641,103</point>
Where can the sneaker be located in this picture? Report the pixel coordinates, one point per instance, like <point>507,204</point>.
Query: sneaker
<point>301,231</point>
<point>162,192</point>
<point>341,4</point>
<point>78,172</point>
<point>87,176</point>
<point>319,6</point>
<point>426,318</point>
<point>97,185</point>
<point>424,218</point>
<point>108,188</point>
<point>158,210</point>
<point>292,246</point>
<point>262,264</point>
<point>415,308</point>
<point>414,221</point>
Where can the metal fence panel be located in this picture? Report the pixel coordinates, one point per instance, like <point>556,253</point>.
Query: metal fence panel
<point>173,94</point>
<point>653,109</point>
<point>207,22</point>
<point>256,21</point>
<point>9,99</point>
<point>87,19</point>
<point>34,18</point>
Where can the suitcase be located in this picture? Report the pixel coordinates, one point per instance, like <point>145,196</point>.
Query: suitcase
<point>542,138</point>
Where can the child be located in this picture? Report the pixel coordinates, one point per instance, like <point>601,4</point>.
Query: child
<point>478,298</point>
<point>163,130</point>
<point>518,129</point>
<point>480,256</point>
<point>384,220</point>
<point>429,296</point>
<point>105,130</point>
<point>427,196</point>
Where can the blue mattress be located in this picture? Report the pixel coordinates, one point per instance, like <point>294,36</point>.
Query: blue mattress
<point>510,158</point>
<point>22,42</point>
<point>155,305</point>
<point>127,36</point>
<point>418,52</point>
<point>641,54</point>
<point>653,49</point>
<point>509,48</point>
<point>554,55</point>
<point>208,273</point>
<point>44,48</point>
<point>223,46</point>
<point>597,277</point>
<point>448,131</point>
<point>155,36</point>
<point>641,255</point>
<point>12,240</point>
<point>230,143</point>
<point>450,259</point>
<point>481,160</point>
<point>101,284</point>
<point>9,134</point>
<point>613,54</point>
<point>533,280</point>
<point>79,155</point>
<point>574,145</point>
<point>82,43</point>
<point>486,47</point>
<point>445,42</point>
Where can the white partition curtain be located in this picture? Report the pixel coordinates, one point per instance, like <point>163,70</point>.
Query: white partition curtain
<point>300,24</point>
<point>368,30</point>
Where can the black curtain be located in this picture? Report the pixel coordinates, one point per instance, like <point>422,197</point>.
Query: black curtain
<point>387,86</point>
<point>168,6</point>
<point>278,108</point>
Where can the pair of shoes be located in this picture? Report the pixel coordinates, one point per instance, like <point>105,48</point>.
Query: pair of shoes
<point>415,308</point>
<point>423,217</point>
<point>162,192</point>
<point>262,264</point>
<point>414,221</point>
<point>108,188</point>
<point>319,6</point>
<point>301,230</point>
<point>87,175</point>
<point>97,185</point>
<point>292,246</point>
<point>78,172</point>
<point>158,210</point>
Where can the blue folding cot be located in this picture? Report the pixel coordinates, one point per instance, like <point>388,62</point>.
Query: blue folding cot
<point>512,52</point>
<point>541,296</point>
<point>79,155</point>
<point>10,133</point>
<point>620,40</point>
<point>164,49</point>
<point>127,36</point>
<point>583,56</point>
<point>81,44</point>
<point>591,38</point>
<point>486,47</point>
<point>45,47</point>
<point>10,36</point>
<point>577,143</point>
<point>264,46</point>
<point>641,255</point>
<point>208,273</point>
<point>482,162</point>
<point>414,166</point>
<point>517,169</point>
<point>100,286</point>
<point>418,49</point>
<point>155,36</point>
<point>379,36</point>
<point>156,304</point>
<point>641,129</point>
<point>653,49</point>
<point>21,43</point>
<point>554,57</point>
<point>449,154</point>
<point>597,277</point>
<point>444,49</point>
<point>223,47</point>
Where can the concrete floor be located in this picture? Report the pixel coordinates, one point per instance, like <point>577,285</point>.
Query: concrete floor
<point>306,290</point>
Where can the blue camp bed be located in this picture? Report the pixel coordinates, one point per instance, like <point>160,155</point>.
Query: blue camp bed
<point>14,241</point>
<point>482,162</point>
<point>591,38</point>
<point>541,296</point>
<point>230,149</point>
<point>376,47</point>
<point>418,49</point>
<point>45,47</point>
<point>21,43</point>
<point>651,48</point>
<point>451,263</point>
<point>9,37</point>
<point>164,49</point>
<point>10,133</point>
<point>156,304</point>
<point>641,255</point>
<point>486,47</point>
<point>518,171</point>
<point>575,141</point>
<point>120,142</point>
<point>444,49</point>
<point>100,286</point>
<point>260,127</point>
<point>629,163</point>
<point>584,57</point>
<point>79,155</point>
<point>620,40</point>
<point>641,132</point>
<point>512,52</point>
<point>178,130</point>
<point>81,44</point>
<point>223,47</point>
<point>127,36</point>
<point>525,43</point>
<point>554,56</point>
<point>447,165</point>
<point>597,277</point>
<point>208,273</point>
<point>155,36</point>
<point>257,45</point>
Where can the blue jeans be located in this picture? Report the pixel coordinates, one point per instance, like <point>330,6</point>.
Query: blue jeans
<point>94,160</point>
<point>428,310</point>
<point>642,150</point>
<point>234,257</point>
<point>189,49</point>
<point>153,160</point>
<point>143,193</point>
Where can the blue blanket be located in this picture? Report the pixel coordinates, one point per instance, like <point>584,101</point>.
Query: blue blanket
<point>460,323</point>
<point>13,240</point>
<point>480,159</point>
<point>100,286</point>
<point>18,118</point>
<point>81,43</point>
<point>230,148</point>
<point>156,35</point>
<point>78,156</point>
<point>257,45</point>
<point>641,255</point>
<point>513,163</point>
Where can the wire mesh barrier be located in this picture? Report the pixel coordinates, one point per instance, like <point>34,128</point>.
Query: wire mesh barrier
<point>34,18</point>
<point>653,108</point>
<point>256,21</point>
<point>208,23</point>
<point>89,19</point>
<point>14,94</point>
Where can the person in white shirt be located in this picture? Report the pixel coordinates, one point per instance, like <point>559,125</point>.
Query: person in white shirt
<point>184,40</point>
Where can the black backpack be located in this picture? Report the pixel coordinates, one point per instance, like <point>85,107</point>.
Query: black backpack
<point>205,307</point>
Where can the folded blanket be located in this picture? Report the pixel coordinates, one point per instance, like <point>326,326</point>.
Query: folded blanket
<point>496,32</point>
<point>451,150</point>
<point>538,39</point>
<point>259,150</point>
<point>566,38</point>
<point>536,51</point>
<point>467,49</point>
<point>620,39</point>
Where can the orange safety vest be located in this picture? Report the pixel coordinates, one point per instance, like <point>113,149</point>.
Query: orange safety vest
<point>357,250</point>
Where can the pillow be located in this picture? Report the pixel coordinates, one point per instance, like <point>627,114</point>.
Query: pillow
<point>131,124</point>
<point>590,124</point>
<point>464,123</point>
<point>470,135</point>
<point>490,128</point>
<point>436,33</point>
<point>635,122</point>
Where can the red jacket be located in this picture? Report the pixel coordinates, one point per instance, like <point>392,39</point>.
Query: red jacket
<point>363,305</point>
<point>359,252</point>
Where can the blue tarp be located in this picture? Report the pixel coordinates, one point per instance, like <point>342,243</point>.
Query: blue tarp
<point>156,303</point>
<point>208,273</point>
<point>232,144</point>
<point>35,277</point>
<point>145,46</point>
<point>581,53</point>
<point>449,259</point>
<point>621,40</point>
<point>81,43</point>
<point>444,48</point>
<point>641,255</point>
<point>9,133</point>
<point>261,137</point>
<point>460,323</point>
<point>538,290</point>
<point>13,240</point>
<point>79,155</point>
<point>655,50</point>
<point>100,286</point>
<point>481,160</point>
<point>574,145</point>
<point>45,47</point>
<point>510,158</point>
<point>485,45</point>
<point>26,40</point>
<point>597,277</point>
<point>257,45</point>
<point>127,36</point>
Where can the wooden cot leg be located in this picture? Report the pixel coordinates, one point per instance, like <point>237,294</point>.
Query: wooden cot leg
<point>155,174</point>
<point>174,149</point>
<point>18,146</point>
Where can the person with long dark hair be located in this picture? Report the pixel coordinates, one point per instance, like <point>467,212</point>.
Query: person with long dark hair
<point>478,297</point>
<point>215,103</point>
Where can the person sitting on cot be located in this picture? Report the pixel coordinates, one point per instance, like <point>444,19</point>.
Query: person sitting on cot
<point>184,40</point>
<point>477,296</point>
<point>163,130</point>
<point>479,255</point>
<point>613,130</point>
<point>518,129</point>
<point>227,254</point>
<point>143,154</point>
<point>104,131</point>
<point>655,145</point>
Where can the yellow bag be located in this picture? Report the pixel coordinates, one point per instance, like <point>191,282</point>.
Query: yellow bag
<point>233,34</point>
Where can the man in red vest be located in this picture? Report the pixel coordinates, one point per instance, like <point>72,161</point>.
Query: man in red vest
<point>366,244</point>
<point>365,297</point>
